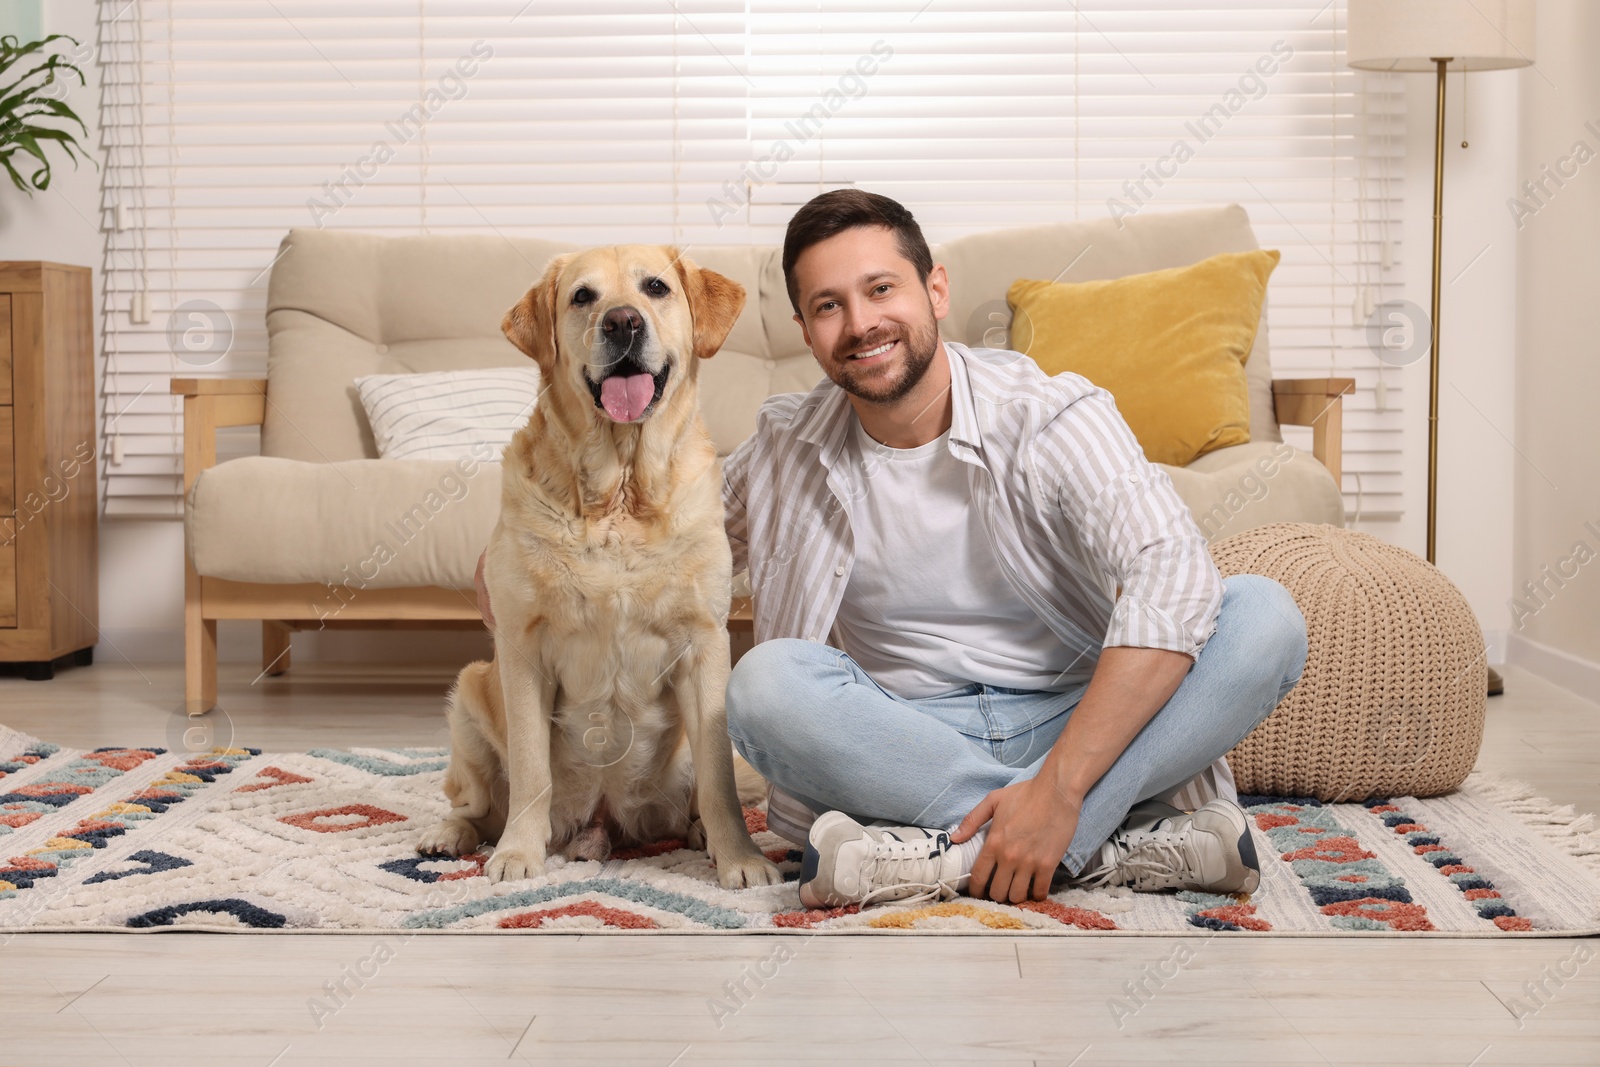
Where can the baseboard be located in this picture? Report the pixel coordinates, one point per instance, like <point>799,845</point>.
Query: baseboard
<point>1580,675</point>
<point>1494,643</point>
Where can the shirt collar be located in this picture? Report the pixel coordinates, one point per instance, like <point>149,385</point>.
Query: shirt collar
<point>963,411</point>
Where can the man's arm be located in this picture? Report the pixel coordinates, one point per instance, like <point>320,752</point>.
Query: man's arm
<point>1133,527</point>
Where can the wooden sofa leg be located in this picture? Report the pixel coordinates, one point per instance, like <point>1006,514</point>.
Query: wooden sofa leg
<point>274,647</point>
<point>199,650</point>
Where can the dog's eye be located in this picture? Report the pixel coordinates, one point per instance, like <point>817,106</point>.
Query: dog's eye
<point>583,296</point>
<point>656,287</point>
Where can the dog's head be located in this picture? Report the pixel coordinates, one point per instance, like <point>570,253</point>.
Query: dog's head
<point>623,325</point>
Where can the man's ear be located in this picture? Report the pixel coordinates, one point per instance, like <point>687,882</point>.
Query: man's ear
<point>714,304</point>
<point>531,322</point>
<point>939,291</point>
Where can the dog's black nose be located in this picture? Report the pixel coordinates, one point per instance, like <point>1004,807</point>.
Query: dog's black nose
<point>620,324</point>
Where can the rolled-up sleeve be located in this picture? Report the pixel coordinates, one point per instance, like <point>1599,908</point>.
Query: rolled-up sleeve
<point>1133,526</point>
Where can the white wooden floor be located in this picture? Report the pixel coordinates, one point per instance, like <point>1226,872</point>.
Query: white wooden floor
<point>241,999</point>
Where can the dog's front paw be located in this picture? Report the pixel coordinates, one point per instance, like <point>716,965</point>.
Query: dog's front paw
<point>450,837</point>
<point>696,837</point>
<point>512,864</point>
<point>746,868</point>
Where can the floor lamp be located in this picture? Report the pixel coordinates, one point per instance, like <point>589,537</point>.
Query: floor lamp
<point>1435,36</point>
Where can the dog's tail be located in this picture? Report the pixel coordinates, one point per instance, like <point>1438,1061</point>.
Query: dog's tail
<point>752,788</point>
<point>476,695</point>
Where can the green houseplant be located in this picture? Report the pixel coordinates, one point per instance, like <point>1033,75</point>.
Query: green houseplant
<point>31,116</point>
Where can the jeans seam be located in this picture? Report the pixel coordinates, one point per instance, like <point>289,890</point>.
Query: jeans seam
<point>995,744</point>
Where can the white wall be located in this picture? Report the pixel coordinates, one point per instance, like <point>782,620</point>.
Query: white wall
<point>1557,497</point>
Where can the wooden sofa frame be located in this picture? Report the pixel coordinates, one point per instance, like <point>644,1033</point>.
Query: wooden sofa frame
<point>212,403</point>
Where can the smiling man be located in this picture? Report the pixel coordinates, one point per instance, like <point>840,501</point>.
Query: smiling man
<point>990,636</point>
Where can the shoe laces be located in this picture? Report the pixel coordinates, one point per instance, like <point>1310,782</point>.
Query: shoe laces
<point>1141,859</point>
<point>892,865</point>
<point>1156,857</point>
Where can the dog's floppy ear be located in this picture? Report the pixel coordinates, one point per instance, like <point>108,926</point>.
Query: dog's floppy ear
<point>714,304</point>
<point>531,322</point>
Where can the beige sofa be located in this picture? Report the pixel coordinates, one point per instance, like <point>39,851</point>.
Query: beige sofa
<point>319,532</point>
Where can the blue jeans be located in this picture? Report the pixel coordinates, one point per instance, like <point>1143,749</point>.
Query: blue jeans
<point>812,721</point>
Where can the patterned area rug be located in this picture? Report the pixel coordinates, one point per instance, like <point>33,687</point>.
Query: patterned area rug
<point>237,839</point>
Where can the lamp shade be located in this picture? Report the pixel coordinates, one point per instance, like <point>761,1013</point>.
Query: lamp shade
<point>1409,35</point>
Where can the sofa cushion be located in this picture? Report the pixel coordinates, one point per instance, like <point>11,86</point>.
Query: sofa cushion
<point>1239,488</point>
<point>784,336</point>
<point>1170,346</point>
<point>733,385</point>
<point>372,523</point>
<point>341,305</point>
<point>444,414</point>
<point>400,523</point>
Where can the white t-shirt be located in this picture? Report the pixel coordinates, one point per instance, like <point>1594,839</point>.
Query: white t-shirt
<point>927,608</point>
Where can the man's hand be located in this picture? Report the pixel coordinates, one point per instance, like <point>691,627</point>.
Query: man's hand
<point>483,593</point>
<point>1031,825</point>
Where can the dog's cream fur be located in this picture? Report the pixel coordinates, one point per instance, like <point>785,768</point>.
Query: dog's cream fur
<point>601,719</point>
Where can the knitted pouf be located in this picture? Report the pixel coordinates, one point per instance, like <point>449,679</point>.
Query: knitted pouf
<point>1392,699</point>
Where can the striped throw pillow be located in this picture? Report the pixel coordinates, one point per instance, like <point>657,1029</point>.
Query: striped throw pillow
<point>445,414</point>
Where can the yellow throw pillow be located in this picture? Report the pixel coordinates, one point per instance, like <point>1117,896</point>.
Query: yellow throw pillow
<point>1170,346</point>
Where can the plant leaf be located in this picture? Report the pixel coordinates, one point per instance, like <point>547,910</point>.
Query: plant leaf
<point>16,179</point>
<point>26,100</point>
<point>11,50</point>
<point>55,64</point>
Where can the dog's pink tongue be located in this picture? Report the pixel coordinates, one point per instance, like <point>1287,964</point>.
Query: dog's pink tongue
<point>626,397</point>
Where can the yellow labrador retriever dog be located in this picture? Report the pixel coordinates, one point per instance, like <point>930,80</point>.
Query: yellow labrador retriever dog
<point>600,721</point>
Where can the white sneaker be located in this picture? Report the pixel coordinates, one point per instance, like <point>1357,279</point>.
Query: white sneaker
<point>848,863</point>
<point>1208,851</point>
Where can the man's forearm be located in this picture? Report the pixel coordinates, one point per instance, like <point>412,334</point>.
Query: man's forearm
<point>1128,687</point>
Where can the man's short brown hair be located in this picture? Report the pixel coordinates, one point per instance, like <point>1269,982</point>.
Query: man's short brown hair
<point>834,212</point>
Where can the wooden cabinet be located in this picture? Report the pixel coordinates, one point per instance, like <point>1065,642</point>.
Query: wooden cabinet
<point>49,493</point>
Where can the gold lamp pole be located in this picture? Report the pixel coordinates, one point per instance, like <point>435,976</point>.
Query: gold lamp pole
<point>1433,316</point>
<point>1436,35</point>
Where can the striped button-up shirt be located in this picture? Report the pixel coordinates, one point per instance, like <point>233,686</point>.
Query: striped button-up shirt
<point>1074,511</point>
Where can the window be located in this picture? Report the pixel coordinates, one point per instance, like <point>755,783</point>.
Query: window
<point>704,121</point>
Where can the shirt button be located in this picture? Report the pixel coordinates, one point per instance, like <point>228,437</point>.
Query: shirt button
<point>1134,478</point>
<point>382,349</point>
<point>839,571</point>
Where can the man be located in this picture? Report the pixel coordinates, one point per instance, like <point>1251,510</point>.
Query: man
<point>989,633</point>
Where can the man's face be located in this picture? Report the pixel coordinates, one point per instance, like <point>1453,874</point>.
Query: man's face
<point>870,323</point>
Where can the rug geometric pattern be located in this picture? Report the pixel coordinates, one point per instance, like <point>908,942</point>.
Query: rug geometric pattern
<point>323,841</point>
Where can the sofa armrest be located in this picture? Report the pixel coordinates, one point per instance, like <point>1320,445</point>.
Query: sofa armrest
<point>209,403</point>
<point>218,386</point>
<point>1319,404</point>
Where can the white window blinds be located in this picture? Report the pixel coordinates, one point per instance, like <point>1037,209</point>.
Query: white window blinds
<point>708,121</point>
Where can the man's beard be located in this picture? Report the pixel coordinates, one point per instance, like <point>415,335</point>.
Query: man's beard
<point>920,343</point>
